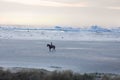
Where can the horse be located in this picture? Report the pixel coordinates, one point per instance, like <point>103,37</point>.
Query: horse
<point>51,47</point>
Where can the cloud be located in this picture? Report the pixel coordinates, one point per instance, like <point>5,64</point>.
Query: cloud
<point>47,3</point>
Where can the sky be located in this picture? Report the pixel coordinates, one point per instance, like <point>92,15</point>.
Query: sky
<point>60,12</point>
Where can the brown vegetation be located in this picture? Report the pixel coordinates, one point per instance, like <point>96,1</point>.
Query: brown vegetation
<point>40,74</point>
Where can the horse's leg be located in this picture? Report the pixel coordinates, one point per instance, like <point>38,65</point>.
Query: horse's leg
<point>54,49</point>
<point>50,49</point>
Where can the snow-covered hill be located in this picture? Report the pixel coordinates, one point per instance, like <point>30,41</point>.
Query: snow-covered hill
<point>59,33</point>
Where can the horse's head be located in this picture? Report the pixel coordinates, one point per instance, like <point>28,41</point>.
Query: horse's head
<point>48,45</point>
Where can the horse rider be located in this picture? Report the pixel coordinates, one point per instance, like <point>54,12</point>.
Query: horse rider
<point>51,43</point>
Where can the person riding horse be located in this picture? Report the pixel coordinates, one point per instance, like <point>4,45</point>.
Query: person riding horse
<point>51,47</point>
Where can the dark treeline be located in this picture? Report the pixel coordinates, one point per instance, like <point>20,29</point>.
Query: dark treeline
<point>48,75</point>
<point>42,75</point>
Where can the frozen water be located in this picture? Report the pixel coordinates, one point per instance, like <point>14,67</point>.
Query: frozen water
<point>79,56</point>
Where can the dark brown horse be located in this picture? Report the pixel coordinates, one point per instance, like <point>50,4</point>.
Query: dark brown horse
<point>51,47</point>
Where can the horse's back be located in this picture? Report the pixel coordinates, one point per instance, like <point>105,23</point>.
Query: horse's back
<point>53,46</point>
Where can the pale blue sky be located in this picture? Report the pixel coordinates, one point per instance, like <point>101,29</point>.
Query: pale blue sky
<point>60,12</point>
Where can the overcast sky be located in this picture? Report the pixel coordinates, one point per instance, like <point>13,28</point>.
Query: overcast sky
<point>60,12</point>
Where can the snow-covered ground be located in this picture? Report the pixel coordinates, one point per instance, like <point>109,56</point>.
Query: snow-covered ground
<point>93,49</point>
<point>93,33</point>
<point>79,56</point>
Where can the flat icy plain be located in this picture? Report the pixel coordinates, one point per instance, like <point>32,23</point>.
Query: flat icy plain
<point>78,56</point>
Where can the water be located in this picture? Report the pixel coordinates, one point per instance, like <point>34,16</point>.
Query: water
<point>78,56</point>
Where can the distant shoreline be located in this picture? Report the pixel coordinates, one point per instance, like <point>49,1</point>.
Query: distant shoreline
<point>94,33</point>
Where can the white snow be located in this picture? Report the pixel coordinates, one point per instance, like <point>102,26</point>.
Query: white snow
<point>93,49</point>
<point>78,56</point>
<point>60,33</point>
